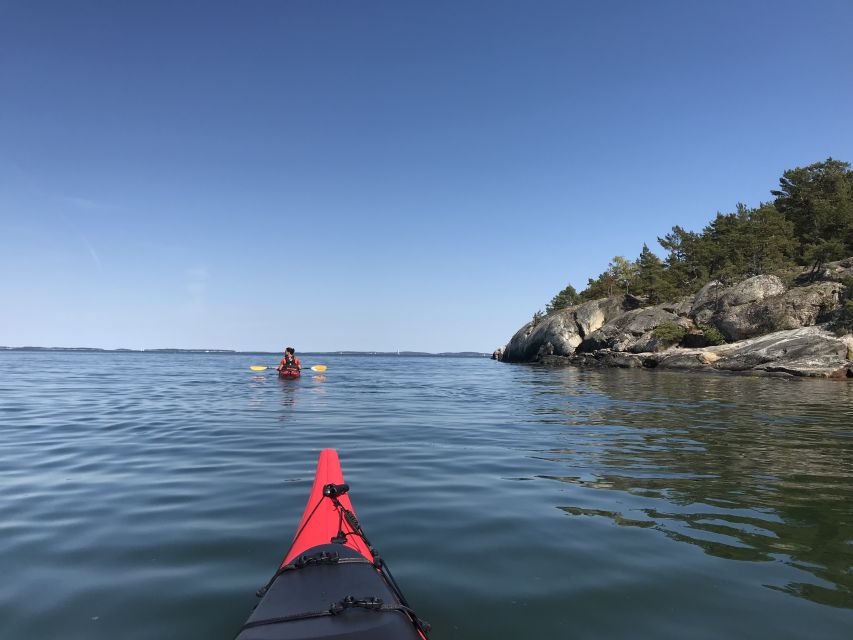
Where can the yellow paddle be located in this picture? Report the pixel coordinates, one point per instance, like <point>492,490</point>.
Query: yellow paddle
<point>259,367</point>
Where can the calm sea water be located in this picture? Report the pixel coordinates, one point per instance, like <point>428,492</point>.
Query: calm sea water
<point>147,496</point>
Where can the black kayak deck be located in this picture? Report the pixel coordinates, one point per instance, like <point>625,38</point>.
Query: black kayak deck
<point>345,600</point>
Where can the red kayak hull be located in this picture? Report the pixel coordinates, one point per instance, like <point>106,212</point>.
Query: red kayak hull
<point>287,375</point>
<point>330,586</point>
<point>321,519</point>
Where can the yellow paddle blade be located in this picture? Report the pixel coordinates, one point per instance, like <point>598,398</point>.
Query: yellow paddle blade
<point>257,367</point>
<point>319,367</point>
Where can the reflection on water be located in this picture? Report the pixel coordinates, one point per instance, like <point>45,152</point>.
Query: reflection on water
<point>743,469</point>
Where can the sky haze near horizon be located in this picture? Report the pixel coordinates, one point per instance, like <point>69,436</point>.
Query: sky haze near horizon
<point>380,175</point>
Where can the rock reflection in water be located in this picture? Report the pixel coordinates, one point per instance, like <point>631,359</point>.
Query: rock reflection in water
<point>747,469</point>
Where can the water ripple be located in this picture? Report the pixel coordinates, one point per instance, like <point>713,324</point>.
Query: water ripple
<point>149,495</point>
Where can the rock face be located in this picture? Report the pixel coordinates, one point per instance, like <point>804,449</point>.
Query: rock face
<point>591,316</point>
<point>560,333</point>
<point>842,270</point>
<point>557,333</point>
<point>761,305</point>
<point>735,310</point>
<point>681,307</point>
<point>632,331</point>
<point>772,329</point>
<point>808,351</point>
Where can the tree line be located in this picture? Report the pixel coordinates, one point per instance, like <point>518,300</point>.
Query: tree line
<point>809,223</point>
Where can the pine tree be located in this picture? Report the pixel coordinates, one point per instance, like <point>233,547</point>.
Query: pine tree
<point>809,222</point>
<point>818,200</point>
<point>623,272</point>
<point>566,298</point>
<point>770,245</point>
<point>652,279</point>
<point>684,270</point>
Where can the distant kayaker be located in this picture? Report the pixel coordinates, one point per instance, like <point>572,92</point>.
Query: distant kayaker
<point>289,362</point>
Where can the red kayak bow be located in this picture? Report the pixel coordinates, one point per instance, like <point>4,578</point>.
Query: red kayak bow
<point>332,582</point>
<point>322,516</point>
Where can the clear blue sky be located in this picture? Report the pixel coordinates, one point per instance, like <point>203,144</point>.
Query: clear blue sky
<point>380,175</point>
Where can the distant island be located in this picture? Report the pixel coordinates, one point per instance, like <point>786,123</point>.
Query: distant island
<point>443,354</point>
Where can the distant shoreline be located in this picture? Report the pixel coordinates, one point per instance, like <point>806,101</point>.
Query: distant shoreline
<point>451,354</point>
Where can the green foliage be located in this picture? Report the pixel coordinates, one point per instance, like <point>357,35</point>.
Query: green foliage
<point>809,223</point>
<point>818,201</point>
<point>746,243</point>
<point>669,332</point>
<point>769,244</point>
<point>652,280</point>
<point>624,272</point>
<point>707,336</point>
<point>712,335</point>
<point>566,298</point>
<point>685,269</point>
<point>620,277</point>
<point>601,287</point>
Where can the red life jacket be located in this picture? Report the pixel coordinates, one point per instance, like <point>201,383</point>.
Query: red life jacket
<point>290,362</point>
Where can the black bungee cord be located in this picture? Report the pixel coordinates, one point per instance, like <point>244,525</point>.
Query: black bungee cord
<point>332,491</point>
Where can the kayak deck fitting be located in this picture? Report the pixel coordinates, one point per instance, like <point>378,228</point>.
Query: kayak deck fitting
<point>332,582</point>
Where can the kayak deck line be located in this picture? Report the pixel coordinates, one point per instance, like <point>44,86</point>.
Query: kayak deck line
<point>321,557</point>
<point>332,582</point>
<point>371,604</point>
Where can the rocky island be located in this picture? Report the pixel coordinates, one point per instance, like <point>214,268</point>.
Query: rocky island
<point>758,291</point>
<point>764,326</point>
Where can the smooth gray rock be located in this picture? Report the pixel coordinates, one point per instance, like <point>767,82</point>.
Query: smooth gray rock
<point>805,306</point>
<point>775,331</point>
<point>718,305</point>
<point>706,301</point>
<point>807,351</point>
<point>559,333</point>
<point>680,307</point>
<point>590,316</point>
<point>795,308</point>
<point>742,322</point>
<point>625,331</point>
<point>751,290</point>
